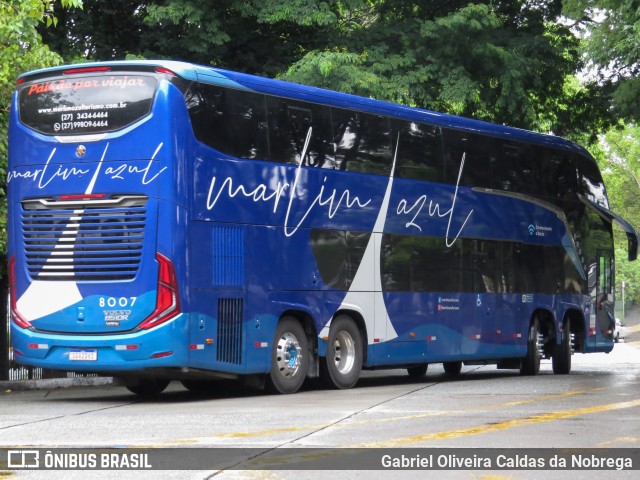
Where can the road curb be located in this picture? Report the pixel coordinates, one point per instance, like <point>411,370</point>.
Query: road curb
<point>52,383</point>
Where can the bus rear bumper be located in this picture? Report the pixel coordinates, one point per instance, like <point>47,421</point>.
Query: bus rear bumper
<point>163,346</point>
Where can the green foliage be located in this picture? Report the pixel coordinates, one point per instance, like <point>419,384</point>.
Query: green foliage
<point>99,31</point>
<point>302,12</point>
<point>21,49</point>
<point>619,159</point>
<point>502,61</point>
<point>338,70</point>
<point>611,29</point>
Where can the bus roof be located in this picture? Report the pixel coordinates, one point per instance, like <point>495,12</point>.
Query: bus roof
<point>269,86</point>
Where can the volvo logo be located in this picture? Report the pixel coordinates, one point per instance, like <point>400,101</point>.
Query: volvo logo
<point>81,150</point>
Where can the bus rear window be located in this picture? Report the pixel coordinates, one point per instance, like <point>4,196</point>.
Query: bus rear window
<point>85,105</point>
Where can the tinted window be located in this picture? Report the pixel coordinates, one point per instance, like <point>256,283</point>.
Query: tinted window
<point>590,180</point>
<point>338,255</point>
<point>231,121</point>
<point>457,145</point>
<point>481,159</point>
<point>419,151</point>
<point>289,124</point>
<point>362,142</point>
<point>415,263</point>
<point>487,260</point>
<point>558,171</point>
<point>84,105</point>
<point>524,168</point>
<point>425,264</point>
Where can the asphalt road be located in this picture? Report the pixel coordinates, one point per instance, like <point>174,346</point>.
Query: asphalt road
<point>596,406</point>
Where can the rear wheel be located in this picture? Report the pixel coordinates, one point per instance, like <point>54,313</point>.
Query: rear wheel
<point>531,363</point>
<point>198,386</point>
<point>452,368</point>
<point>341,367</point>
<point>289,357</point>
<point>148,387</point>
<point>418,370</point>
<point>561,360</point>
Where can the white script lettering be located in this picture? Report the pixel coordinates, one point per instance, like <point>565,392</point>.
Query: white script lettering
<point>434,209</point>
<point>333,200</point>
<point>43,176</point>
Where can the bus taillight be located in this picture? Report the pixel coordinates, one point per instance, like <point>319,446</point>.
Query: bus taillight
<point>165,71</point>
<point>83,196</point>
<point>75,71</point>
<point>168,299</point>
<point>15,315</point>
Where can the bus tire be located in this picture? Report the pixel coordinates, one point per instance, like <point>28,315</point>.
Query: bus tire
<point>148,387</point>
<point>343,362</point>
<point>289,357</point>
<point>197,386</point>
<point>531,362</point>
<point>418,370</point>
<point>452,368</point>
<point>561,359</point>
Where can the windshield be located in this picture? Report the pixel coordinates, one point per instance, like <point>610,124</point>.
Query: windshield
<point>85,105</point>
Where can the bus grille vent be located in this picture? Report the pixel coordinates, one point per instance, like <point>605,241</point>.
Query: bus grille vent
<point>228,256</point>
<point>229,330</point>
<point>84,239</point>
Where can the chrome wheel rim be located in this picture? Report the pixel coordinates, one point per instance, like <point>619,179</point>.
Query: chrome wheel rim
<point>288,354</point>
<point>344,352</point>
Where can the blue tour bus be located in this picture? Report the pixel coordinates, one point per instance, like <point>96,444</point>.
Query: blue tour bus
<point>174,221</point>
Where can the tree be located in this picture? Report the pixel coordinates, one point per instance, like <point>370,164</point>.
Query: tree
<point>611,38</point>
<point>229,33</point>
<point>619,158</point>
<point>21,49</point>
<point>505,61</point>
<point>610,41</point>
<point>101,31</point>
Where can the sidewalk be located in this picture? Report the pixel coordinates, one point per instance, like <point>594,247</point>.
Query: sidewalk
<point>51,383</point>
<point>632,325</point>
<point>632,317</point>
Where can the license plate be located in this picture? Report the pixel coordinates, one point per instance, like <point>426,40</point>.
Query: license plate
<point>85,354</point>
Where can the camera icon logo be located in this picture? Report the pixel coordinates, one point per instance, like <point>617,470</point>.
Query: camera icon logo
<point>23,459</point>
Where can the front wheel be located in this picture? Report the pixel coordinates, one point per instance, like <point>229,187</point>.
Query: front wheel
<point>561,360</point>
<point>289,357</point>
<point>341,367</point>
<point>531,363</point>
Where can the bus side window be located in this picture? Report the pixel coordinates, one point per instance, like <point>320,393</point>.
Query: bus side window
<point>487,267</point>
<point>289,124</point>
<point>419,150</point>
<point>590,180</point>
<point>231,121</point>
<point>525,169</point>
<point>558,172</point>
<point>528,260</point>
<point>479,153</point>
<point>338,255</point>
<point>425,264</point>
<point>362,142</point>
